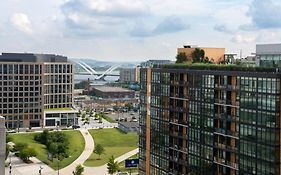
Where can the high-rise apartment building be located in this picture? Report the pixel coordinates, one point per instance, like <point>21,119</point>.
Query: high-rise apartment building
<point>33,84</point>
<point>215,120</point>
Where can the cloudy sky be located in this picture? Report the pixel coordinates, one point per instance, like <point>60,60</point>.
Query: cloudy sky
<point>135,30</point>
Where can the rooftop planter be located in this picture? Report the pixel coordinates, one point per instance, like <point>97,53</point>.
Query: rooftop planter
<point>219,67</point>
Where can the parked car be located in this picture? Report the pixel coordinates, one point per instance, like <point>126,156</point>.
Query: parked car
<point>75,126</point>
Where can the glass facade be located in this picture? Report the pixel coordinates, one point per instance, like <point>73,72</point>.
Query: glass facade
<point>203,122</point>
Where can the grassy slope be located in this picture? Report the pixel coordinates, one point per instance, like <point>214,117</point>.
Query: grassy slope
<point>115,143</point>
<point>76,147</point>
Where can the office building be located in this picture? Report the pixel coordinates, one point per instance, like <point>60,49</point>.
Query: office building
<point>129,75</point>
<point>111,92</point>
<point>200,121</point>
<point>268,55</point>
<point>215,54</point>
<point>33,84</point>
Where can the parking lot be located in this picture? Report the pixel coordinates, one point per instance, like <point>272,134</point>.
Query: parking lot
<point>123,116</point>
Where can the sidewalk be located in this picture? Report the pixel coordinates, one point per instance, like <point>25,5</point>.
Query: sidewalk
<point>102,170</point>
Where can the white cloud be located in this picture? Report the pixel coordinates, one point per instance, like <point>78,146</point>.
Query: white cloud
<point>239,38</point>
<point>22,23</point>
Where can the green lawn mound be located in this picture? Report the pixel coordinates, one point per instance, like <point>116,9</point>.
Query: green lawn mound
<point>76,147</point>
<point>114,141</point>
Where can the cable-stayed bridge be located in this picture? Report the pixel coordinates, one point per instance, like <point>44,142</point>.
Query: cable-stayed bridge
<point>88,70</point>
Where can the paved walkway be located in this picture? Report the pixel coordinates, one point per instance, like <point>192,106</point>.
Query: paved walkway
<point>21,168</point>
<point>89,148</point>
<point>102,170</point>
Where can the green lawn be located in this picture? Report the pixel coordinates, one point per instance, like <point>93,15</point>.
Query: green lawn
<point>109,119</point>
<point>114,141</point>
<point>122,165</point>
<point>76,147</point>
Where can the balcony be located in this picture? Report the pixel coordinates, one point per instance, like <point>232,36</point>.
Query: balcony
<point>226,102</point>
<point>225,147</point>
<point>220,86</point>
<point>226,133</point>
<point>178,122</point>
<point>232,87</point>
<point>179,148</point>
<point>224,116</point>
<point>226,163</point>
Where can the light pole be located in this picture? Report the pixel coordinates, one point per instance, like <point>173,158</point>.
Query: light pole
<point>10,168</point>
<point>2,145</point>
<point>40,170</point>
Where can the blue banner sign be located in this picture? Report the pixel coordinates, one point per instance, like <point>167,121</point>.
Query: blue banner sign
<point>131,163</point>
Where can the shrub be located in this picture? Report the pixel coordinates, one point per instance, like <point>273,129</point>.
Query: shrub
<point>19,147</point>
<point>26,153</point>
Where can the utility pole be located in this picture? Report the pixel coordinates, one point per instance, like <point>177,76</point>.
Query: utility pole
<point>2,145</point>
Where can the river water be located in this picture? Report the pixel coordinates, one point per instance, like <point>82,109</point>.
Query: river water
<point>108,79</point>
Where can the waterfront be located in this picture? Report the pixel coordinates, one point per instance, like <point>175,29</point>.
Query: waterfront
<point>108,79</point>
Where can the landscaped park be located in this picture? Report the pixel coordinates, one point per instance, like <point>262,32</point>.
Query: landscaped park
<point>76,146</point>
<point>69,145</point>
<point>114,141</point>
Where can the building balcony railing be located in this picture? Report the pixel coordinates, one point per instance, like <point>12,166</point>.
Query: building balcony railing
<point>225,132</point>
<point>232,87</point>
<point>226,147</point>
<point>178,122</point>
<point>227,102</point>
<point>220,145</point>
<point>220,86</point>
<point>228,87</point>
<point>179,148</point>
<point>226,117</point>
<point>177,160</point>
<point>226,163</point>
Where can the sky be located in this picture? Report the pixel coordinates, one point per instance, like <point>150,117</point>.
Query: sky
<point>136,30</point>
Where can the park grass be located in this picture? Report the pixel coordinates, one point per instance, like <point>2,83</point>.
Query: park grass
<point>76,147</point>
<point>122,165</point>
<point>114,141</point>
<point>107,118</point>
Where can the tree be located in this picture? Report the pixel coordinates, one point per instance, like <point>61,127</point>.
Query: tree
<point>99,150</point>
<point>26,153</point>
<point>112,166</point>
<point>78,170</point>
<point>181,57</point>
<point>198,55</point>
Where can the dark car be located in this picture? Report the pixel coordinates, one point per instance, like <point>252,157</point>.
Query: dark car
<point>75,126</point>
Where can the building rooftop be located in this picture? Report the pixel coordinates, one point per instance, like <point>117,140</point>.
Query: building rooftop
<point>111,89</point>
<point>268,49</point>
<point>217,67</point>
<point>130,124</point>
<point>31,57</point>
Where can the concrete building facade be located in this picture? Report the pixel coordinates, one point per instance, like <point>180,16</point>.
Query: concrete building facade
<point>31,83</point>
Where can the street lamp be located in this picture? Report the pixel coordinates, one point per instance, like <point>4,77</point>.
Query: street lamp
<point>40,170</point>
<point>10,168</point>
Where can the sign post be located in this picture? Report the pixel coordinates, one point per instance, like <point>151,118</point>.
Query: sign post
<point>129,163</point>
